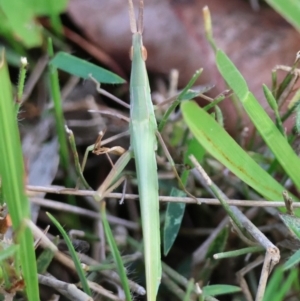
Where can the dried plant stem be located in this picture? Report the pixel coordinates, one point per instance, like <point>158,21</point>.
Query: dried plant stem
<point>84,212</point>
<point>272,256</point>
<point>31,190</point>
<point>70,291</point>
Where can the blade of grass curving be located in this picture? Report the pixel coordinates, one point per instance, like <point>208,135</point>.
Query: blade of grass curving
<point>283,152</point>
<point>289,9</point>
<point>84,69</point>
<point>115,252</point>
<point>74,256</point>
<point>225,149</point>
<point>12,173</point>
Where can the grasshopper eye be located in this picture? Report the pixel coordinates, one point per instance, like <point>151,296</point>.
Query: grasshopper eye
<point>131,53</point>
<point>144,53</point>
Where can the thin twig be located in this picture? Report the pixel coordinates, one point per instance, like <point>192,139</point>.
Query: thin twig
<point>84,212</point>
<point>241,280</point>
<point>107,94</point>
<point>110,113</point>
<point>213,201</point>
<point>70,291</point>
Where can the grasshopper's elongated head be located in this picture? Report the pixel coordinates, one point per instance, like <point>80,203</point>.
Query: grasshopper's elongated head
<point>138,53</point>
<point>137,48</point>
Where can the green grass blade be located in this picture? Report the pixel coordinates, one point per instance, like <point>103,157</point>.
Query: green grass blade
<point>289,9</point>
<point>279,285</point>
<point>74,256</point>
<point>13,173</point>
<point>84,69</point>
<point>292,261</point>
<point>220,289</point>
<point>224,148</point>
<point>115,253</point>
<point>174,215</point>
<point>285,155</point>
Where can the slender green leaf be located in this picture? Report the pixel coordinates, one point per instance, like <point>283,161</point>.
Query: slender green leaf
<point>289,9</point>
<point>232,75</point>
<point>84,69</point>
<point>224,148</point>
<point>220,289</point>
<point>285,155</point>
<point>12,173</point>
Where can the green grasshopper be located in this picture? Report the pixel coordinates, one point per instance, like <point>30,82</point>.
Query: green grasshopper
<point>143,128</point>
<point>143,145</point>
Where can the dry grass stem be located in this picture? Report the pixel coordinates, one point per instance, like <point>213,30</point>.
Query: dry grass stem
<point>83,212</point>
<point>70,291</point>
<point>31,190</point>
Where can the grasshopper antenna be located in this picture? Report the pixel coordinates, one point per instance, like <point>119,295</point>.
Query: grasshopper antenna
<point>132,17</point>
<point>140,25</point>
